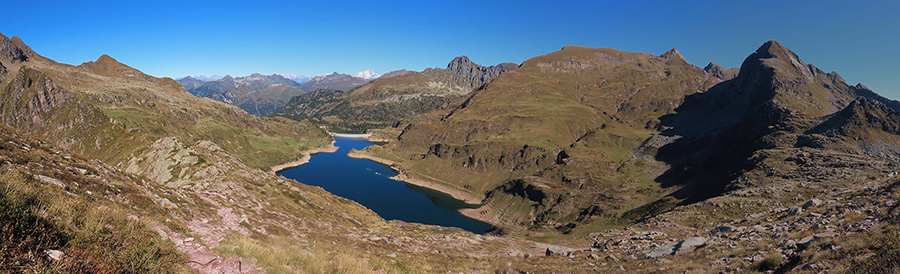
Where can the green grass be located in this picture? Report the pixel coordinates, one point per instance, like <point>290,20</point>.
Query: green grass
<point>95,239</point>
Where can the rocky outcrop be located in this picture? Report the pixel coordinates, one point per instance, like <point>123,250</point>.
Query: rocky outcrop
<point>31,99</point>
<point>3,73</point>
<point>475,75</point>
<point>34,103</point>
<point>14,50</point>
<point>719,72</point>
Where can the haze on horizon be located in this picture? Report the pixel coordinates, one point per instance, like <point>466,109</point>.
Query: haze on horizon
<point>859,40</point>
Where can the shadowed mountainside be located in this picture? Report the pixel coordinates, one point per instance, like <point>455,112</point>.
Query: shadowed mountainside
<point>588,137</point>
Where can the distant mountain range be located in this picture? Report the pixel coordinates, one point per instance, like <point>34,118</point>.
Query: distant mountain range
<point>299,78</point>
<point>393,97</point>
<point>264,94</point>
<point>256,94</point>
<point>338,81</point>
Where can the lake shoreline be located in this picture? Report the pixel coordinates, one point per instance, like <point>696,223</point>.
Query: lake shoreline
<point>402,176</point>
<point>307,154</point>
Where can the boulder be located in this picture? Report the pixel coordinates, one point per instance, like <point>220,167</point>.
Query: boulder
<point>555,250</point>
<point>56,255</point>
<point>812,203</point>
<point>689,244</point>
<point>668,249</point>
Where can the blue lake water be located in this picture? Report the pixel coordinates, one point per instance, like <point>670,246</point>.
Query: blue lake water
<point>368,183</point>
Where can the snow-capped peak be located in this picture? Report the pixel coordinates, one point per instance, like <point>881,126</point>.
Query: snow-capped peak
<point>368,75</point>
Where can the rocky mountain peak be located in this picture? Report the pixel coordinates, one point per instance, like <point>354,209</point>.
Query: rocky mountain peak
<point>674,55</point>
<point>107,60</point>
<point>477,75</point>
<point>774,49</point>
<point>719,72</point>
<point>775,57</point>
<point>14,49</point>
<point>460,60</point>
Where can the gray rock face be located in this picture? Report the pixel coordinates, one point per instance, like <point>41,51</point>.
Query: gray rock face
<point>13,49</point>
<point>689,244</point>
<point>555,250</point>
<point>668,249</point>
<point>477,75</point>
<point>3,73</point>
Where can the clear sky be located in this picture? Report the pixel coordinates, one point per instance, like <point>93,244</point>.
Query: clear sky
<point>858,39</point>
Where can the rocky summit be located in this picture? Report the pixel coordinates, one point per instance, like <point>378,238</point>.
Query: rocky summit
<point>586,160</point>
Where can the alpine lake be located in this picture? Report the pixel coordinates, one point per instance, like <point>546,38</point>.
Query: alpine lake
<point>369,184</point>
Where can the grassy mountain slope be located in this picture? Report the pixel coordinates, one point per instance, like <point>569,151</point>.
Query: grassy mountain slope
<point>549,139</point>
<point>258,102</point>
<point>119,104</point>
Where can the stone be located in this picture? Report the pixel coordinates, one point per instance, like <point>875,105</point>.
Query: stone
<point>593,256</point>
<point>689,244</point>
<point>806,241</point>
<point>612,258</point>
<point>392,255</point>
<point>668,249</point>
<point>247,264</point>
<point>794,210</point>
<point>812,203</point>
<point>51,181</point>
<point>54,254</point>
<point>555,250</point>
<point>721,229</point>
<point>203,258</point>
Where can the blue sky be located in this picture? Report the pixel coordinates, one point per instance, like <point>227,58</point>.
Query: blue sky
<point>858,39</point>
